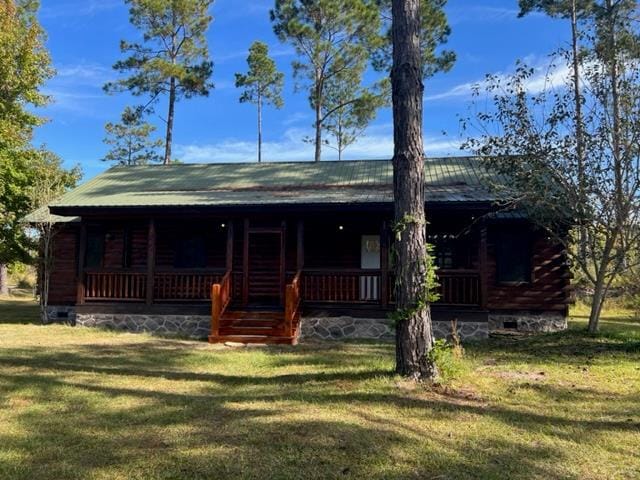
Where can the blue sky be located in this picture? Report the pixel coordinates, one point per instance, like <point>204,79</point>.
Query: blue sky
<point>84,36</point>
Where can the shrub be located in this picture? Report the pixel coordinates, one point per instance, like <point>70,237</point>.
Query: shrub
<point>448,359</point>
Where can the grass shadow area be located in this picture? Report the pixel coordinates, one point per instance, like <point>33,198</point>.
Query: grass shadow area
<point>19,310</point>
<point>78,403</point>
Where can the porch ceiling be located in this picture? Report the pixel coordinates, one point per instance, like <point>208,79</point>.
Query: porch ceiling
<point>456,179</point>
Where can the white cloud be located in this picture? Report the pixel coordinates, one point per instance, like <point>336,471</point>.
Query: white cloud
<point>242,54</point>
<point>296,117</point>
<point>480,13</point>
<point>84,74</point>
<point>544,77</point>
<point>80,8</point>
<point>377,143</point>
<point>79,103</point>
<point>77,88</point>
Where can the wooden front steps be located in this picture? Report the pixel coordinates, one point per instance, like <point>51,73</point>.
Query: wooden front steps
<point>253,327</point>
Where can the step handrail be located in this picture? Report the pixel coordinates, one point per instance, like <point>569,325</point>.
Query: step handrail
<point>292,303</point>
<point>220,299</point>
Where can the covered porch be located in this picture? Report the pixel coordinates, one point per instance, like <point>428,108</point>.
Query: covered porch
<point>257,273</point>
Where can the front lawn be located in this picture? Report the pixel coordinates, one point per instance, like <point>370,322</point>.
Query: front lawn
<point>79,403</point>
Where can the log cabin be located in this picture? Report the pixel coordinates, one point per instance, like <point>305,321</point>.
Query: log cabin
<point>272,252</point>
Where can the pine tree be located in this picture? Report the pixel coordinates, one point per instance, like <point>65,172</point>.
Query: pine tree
<point>348,120</point>
<point>414,335</point>
<point>173,60</point>
<point>262,84</point>
<point>333,39</point>
<point>130,140</point>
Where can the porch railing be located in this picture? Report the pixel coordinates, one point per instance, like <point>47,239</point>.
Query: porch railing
<point>109,285</point>
<point>348,286</point>
<point>220,298</point>
<point>174,286</point>
<point>341,286</point>
<point>184,286</point>
<point>459,287</point>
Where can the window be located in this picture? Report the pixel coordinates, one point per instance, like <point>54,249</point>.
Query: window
<point>127,243</point>
<point>95,250</point>
<point>450,251</point>
<point>513,256</point>
<point>191,252</point>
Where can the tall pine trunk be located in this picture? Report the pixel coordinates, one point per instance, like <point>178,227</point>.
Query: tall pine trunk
<point>169,136</point>
<point>414,336</point>
<point>318,124</point>
<point>259,127</point>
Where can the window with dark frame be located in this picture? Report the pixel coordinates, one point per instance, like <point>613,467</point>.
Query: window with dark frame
<point>191,252</point>
<point>126,247</point>
<point>450,252</point>
<point>513,256</point>
<point>95,249</point>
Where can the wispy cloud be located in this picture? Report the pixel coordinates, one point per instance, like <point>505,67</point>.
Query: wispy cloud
<point>76,102</point>
<point>480,14</point>
<point>377,143</point>
<point>545,76</point>
<point>296,117</point>
<point>79,8</point>
<point>85,74</point>
<point>225,10</point>
<point>242,54</point>
<point>77,88</point>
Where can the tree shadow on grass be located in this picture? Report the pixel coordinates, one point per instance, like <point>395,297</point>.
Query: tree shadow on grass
<point>569,347</point>
<point>19,312</point>
<point>136,411</point>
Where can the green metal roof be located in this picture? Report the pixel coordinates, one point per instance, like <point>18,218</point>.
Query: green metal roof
<point>455,179</point>
<point>42,215</point>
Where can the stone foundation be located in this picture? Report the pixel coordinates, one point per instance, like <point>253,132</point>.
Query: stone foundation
<point>61,313</point>
<point>528,322</point>
<point>337,328</point>
<point>193,326</point>
<point>322,328</point>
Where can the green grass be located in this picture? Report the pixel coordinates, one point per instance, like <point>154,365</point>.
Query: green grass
<point>80,403</point>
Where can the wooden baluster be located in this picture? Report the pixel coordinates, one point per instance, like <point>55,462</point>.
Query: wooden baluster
<point>215,309</point>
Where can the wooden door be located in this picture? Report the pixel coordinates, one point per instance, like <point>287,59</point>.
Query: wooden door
<point>265,272</point>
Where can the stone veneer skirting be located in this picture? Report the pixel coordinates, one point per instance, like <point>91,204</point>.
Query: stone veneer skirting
<point>323,328</point>
<point>337,328</point>
<point>528,322</point>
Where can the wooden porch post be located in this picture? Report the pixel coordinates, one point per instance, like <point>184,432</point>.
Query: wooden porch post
<point>300,246</point>
<point>245,264</point>
<point>283,261</point>
<point>82,252</point>
<point>482,260</point>
<point>229,246</point>
<point>151,259</point>
<point>384,265</point>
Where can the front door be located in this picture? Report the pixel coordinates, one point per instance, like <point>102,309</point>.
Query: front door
<point>266,275</point>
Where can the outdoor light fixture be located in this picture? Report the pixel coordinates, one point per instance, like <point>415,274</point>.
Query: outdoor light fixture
<point>222,225</point>
<point>340,227</point>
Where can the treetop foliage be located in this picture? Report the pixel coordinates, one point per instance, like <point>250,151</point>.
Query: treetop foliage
<point>174,47</point>
<point>434,33</point>
<point>263,80</point>
<point>130,139</point>
<point>24,67</point>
